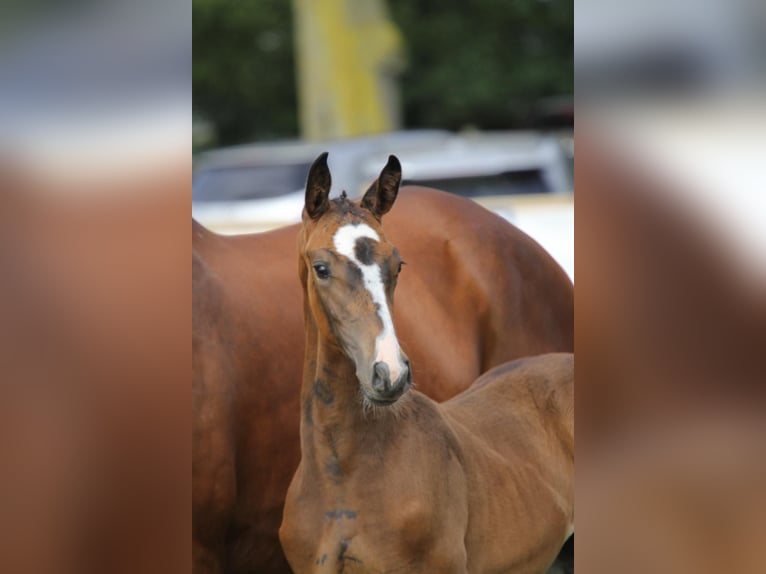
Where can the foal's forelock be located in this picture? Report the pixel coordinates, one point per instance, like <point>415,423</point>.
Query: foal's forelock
<point>386,344</point>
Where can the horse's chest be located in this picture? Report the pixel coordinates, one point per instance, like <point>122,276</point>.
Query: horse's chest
<point>364,540</point>
<point>336,553</point>
<point>361,552</point>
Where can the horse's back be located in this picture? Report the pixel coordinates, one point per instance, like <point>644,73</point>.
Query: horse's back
<point>516,431</point>
<point>479,291</point>
<point>521,284</point>
<point>520,395</point>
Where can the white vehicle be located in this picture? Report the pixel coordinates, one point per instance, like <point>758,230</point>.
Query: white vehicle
<point>523,176</point>
<point>258,187</point>
<point>487,164</point>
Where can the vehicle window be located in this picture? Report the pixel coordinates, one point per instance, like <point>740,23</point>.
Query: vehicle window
<point>251,182</point>
<point>507,183</point>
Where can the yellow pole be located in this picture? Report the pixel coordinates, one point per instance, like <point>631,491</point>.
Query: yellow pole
<point>348,54</point>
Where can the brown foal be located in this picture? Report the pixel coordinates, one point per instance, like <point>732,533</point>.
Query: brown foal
<point>389,480</point>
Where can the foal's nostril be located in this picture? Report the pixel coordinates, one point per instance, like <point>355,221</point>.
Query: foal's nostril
<point>404,381</point>
<point>381,379</point>
<point>384,387</point>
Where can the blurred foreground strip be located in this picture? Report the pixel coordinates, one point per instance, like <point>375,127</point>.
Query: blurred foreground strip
<point>671,295</point>
<point>94,369</point>
<point>94,292</point>
<point>670,334</point>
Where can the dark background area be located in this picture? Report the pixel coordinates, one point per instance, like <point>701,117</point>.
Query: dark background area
<point>488,64</point>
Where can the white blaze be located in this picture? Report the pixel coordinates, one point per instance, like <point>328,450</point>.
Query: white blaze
<point>386,345</point>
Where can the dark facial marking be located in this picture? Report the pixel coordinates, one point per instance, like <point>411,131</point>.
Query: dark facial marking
<point>323,392</point>
<point>353,274</point>
<point>332,467</point>
<point>343,548</point>
<point>364,251</point>
<point>331,442</point>
<point>308,417</point>
<point>342,557</point>
<point>339,514</point>
<point>385,275</point>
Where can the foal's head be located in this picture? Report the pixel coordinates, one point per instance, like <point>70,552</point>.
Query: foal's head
<point>349,271</point>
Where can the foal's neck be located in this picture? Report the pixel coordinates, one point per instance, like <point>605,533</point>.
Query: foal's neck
<point>330,393</point>
<point>334,426</point>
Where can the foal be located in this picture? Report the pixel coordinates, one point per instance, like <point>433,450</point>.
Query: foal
<point>389,480</point>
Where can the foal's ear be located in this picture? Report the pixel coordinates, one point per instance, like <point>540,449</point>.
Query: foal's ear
<point>381,195</point>
<point>318,187</point>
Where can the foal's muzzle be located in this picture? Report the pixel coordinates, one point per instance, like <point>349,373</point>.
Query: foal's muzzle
<point>386,391</point>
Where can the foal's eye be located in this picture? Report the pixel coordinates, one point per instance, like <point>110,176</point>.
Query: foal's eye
<point>322,271</point>
<point>399,269</point>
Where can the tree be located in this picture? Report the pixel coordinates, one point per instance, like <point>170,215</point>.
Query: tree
<point>243,77</point>
<point>485,63</point>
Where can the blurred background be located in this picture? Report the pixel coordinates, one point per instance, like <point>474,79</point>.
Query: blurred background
<point>95,173</point>
<point>670,320</point>
<point>475,98</point>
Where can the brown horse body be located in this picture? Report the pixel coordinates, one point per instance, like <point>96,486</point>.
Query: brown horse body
<point>389,480</point>
<point>478,292</point>
<point>481,483</point>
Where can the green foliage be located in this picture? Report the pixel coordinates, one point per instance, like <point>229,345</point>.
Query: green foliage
<point>243,78</point>
<point>483,62</point>
<point>470,62</point>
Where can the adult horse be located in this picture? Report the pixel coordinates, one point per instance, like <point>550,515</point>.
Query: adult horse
<point>390,480</point>
<point>479,292</point>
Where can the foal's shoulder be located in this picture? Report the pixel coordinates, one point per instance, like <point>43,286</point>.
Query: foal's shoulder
<point>419,408</point>
<point>548,366</point>
<point>531,377</point>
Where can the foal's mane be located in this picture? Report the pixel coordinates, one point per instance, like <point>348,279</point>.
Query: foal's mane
<point>344,206</point>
